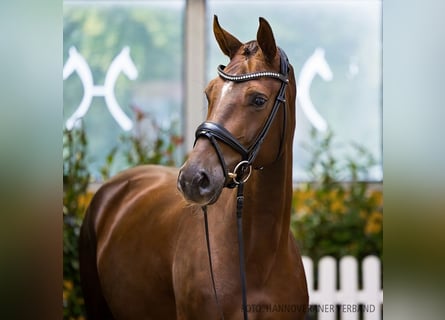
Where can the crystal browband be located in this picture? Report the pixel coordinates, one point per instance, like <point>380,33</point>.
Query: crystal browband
<point>250,76</point>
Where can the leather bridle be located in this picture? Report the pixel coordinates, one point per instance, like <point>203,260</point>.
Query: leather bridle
<point>215,132</point>
<point>241,173</point>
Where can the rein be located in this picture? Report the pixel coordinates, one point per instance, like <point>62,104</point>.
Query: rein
<point>243,169</point>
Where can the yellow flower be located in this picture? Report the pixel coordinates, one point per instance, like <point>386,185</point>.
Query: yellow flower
<point>302,201</point>
<point>338,205</point>
<point>68,284</point>
<point>374,223</point>
<point>377,197</point>
<point>84,199</point>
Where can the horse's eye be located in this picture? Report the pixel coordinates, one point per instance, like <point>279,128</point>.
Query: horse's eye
<point>259,101</point>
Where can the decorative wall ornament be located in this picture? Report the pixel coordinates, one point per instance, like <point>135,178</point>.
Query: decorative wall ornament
<point>121,63</point>
<point>315,64</point>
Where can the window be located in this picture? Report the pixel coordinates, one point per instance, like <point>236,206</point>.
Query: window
<point>122,59</point>
<point>334,46</point>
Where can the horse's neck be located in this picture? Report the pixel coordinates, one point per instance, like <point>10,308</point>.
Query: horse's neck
<point>307,73</point>
<point>116,67</point>
<point>82,69</point>
<point>113,72</point>
<point>266,214</point>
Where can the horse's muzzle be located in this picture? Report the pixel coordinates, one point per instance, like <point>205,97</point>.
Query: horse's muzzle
<point>198,186</point>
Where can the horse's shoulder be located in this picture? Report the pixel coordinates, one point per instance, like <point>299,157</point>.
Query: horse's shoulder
<point>136,189</point>
<point>145,172</point>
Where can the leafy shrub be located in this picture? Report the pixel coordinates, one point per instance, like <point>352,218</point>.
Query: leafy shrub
<point>75,198</point>
<point>148,143</point>
<point>332,216</point>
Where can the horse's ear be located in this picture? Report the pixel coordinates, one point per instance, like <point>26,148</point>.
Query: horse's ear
<point>266,40</point>
<point>227,42</point>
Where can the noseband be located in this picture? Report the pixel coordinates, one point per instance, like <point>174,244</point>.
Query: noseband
<point>214,132</point>
<point>240,174</point>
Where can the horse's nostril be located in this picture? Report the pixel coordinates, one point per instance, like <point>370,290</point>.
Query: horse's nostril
<point>198,185</point>
<point>203,180</point>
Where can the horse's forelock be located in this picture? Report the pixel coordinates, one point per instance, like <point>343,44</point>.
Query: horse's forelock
<point>250,48</point>
<point>250,53</point>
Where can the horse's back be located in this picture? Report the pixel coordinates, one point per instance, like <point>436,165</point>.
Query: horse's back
<point>131,225</point>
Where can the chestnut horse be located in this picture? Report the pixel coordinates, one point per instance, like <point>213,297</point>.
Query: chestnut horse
<point>143,252</point>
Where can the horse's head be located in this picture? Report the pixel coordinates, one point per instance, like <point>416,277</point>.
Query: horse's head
<point>125,63</point>
<point>321,65</point>
<point>246,119</point>
<point>73,61</point>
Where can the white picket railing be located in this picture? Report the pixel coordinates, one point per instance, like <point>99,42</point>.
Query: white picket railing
<point>349,300</point>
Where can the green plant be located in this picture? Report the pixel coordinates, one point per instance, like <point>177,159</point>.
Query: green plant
<point>332,216</point>
<point>148,143</point>
<point>76,178</point>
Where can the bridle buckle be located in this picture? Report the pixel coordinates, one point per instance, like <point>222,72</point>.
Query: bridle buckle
<point>239,173</point>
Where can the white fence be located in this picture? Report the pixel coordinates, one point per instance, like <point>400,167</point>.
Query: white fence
<point>349,300</point>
